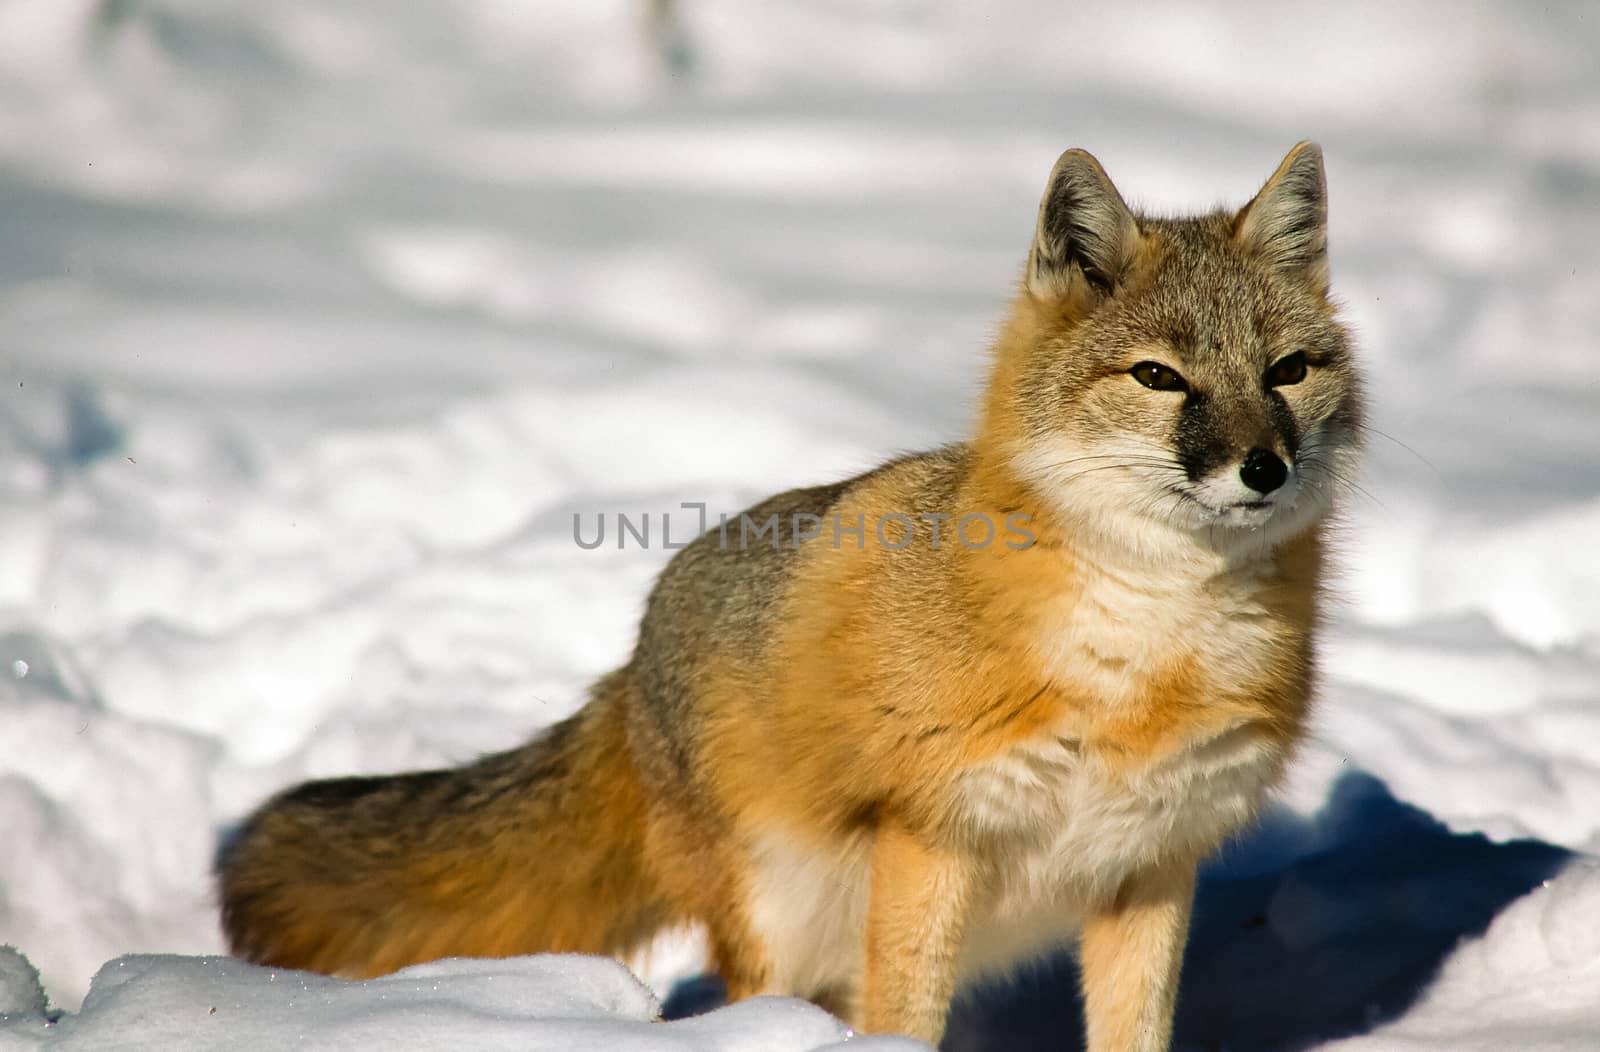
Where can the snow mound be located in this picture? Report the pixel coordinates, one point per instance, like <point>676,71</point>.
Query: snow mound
<point>164,1003</point>
<point>1531,981</point>
<point>21,993</point>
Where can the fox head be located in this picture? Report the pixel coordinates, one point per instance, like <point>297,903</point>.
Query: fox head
<point>1188,378</point>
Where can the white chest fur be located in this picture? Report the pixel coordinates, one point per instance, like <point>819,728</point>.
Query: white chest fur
<point>1108,637</point>
<point>1063,827</point>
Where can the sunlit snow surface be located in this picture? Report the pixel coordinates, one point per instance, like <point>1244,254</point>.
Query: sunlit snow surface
<point>319,322</point>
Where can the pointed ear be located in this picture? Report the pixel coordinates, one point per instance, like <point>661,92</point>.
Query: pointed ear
<point>1086,237</point>
<point>1287,223</point>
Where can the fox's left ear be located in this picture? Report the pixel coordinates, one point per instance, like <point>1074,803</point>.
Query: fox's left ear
<point>1287,223</point>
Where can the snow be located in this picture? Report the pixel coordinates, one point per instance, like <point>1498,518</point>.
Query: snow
<point>556,1003</point>
<point>321,323</point>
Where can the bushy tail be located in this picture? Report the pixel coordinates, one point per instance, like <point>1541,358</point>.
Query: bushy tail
<point>538,849</point>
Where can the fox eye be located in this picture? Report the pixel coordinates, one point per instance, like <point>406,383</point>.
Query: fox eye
<point>1158,377</point>
<point>1288,370</point>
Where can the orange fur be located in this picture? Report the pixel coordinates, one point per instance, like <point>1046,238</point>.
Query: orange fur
<point>906,942</point>
<point>1132,949</point>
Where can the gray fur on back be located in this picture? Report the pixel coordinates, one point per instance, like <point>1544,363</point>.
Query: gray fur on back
<point>717,602</point>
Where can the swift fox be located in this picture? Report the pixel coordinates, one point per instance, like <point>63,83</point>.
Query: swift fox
<point>874,762</point>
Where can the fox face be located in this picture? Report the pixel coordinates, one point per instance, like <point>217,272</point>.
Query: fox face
<point>1184,378</point>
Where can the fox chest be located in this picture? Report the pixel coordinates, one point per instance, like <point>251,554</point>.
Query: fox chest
<point>1061,832</point>
<point>1169,743</point>
<point>1056,820</point>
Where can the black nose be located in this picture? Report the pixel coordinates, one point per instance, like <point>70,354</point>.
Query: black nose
<point>1262,471</point>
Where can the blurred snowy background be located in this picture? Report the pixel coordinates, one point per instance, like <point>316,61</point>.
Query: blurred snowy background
<point>318,322</point>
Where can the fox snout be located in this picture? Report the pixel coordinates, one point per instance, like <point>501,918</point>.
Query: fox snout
<point>1246,489</point>
<point>1236,447</point>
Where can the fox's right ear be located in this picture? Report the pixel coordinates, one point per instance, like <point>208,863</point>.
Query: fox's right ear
<point>1086,237</point>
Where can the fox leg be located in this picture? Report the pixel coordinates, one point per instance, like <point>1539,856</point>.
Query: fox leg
<point>1132,950</point>
<point>916,915</point>
<point>739,959</point>
<point>705,880</point>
